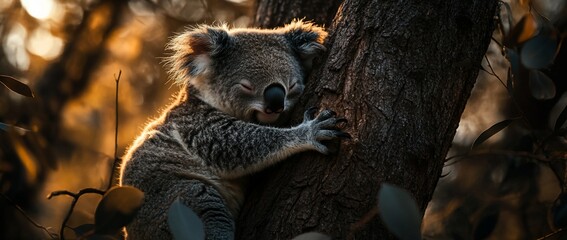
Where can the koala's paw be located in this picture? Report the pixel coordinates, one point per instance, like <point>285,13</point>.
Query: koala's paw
<point>323,127</point>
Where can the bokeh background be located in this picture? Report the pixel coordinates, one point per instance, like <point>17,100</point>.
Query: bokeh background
<point>70,52</point>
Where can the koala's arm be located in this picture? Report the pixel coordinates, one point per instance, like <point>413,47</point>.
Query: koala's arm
<point>235,148</point>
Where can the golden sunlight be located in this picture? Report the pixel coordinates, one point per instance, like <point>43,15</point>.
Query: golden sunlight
<point>43,44</point>
<point>14,47</point>
<point>39,9</point>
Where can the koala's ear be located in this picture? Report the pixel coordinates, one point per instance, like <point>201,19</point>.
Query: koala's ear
<point>193,51</point>
<point>306,39</point>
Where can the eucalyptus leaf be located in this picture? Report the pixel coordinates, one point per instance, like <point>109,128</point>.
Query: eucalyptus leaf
<point>494,129</point>
<point>541,86</point>
<point>16,86</point>
<point>538,52</point>
<point>117,208</point>
<point>184,223</point>
<point>526,28</point>
<point>399,212</point>
<point>312,236</point>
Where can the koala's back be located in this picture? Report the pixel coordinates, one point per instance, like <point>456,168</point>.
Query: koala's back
<point>162,165</point>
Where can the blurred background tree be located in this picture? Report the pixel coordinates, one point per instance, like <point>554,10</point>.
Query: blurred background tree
<point>70,51</point>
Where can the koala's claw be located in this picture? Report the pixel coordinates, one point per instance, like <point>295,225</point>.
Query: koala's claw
<point>310,113</point>
<point>344,135</point>
<point>341,120</point>
<point>326,114</point>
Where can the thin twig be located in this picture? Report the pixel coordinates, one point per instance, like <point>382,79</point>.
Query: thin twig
<point>551,234</point>
<point>37,225</point>
<point>497,42</point>
<point>115,163</point>
<point>493,72</point>
<point>75,197</point>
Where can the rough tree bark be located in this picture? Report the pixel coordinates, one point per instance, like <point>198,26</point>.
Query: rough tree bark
<point>275,13</point>
<point>401,73</point>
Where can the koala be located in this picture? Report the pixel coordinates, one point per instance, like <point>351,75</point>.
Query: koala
<point>237,85</point>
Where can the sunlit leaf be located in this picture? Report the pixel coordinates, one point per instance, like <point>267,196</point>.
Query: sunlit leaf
<point>399,212</point>
<point>486,224</point>
<point>16,86</point>
<point>117,208</point>
<point>525,29</point>
<point>312,236</point>
<point>561,119</point>
<point>538,52</point>
<point>184,223</point>
<point>491,131</point>
<point>541,86</point>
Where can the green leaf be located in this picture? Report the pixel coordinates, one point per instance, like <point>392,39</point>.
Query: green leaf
<point>16,86</point>
<point>538,52</point>
<point>117,208</point>
<point>312,236</point>
<point>491,131</point>
<point>184,223</point>
<point>399,212</point>
<point>541,86</point>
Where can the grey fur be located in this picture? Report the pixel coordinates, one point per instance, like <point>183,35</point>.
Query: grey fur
<point>214,135</point>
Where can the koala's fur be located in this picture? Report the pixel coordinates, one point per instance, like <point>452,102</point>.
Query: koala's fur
<point>219,130</point>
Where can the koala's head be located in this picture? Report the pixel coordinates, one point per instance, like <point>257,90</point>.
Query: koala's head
<point>252,74</point>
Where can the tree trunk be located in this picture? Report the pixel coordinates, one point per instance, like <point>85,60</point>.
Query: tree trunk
<point>401,74</point>
<point>275,13</point>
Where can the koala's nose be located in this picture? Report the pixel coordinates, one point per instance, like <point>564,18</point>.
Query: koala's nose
<point>274,96</point>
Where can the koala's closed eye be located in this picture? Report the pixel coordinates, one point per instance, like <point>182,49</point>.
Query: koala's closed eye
<point>246,86</point>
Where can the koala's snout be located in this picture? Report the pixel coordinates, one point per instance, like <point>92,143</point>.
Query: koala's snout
<point>274,97</point>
